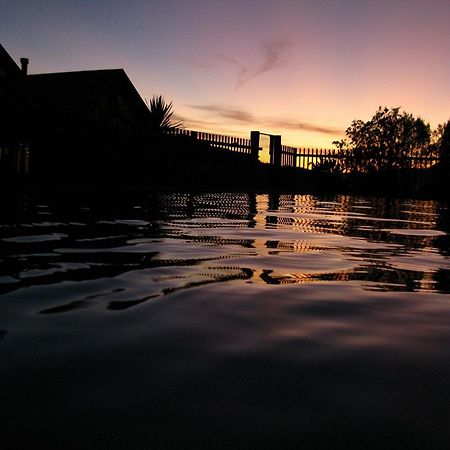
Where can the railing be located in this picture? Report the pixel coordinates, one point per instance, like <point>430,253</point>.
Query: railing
<point>230,143</point>
<point>302,158</point>
<point>308,158</point>
<point>288,156</point>
<point>218,141</point>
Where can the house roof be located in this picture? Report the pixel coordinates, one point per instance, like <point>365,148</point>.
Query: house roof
<point>76,88</point>
<point>8,67</point>
<point>47,102</point>
<point>57,97</point>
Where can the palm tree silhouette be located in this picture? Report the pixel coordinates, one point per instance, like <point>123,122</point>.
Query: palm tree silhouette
<point>161,114</point>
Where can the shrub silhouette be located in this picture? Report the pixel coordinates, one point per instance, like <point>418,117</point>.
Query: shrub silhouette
<point>443,145</point>
<point>161,115</point>
<point>385,142</point>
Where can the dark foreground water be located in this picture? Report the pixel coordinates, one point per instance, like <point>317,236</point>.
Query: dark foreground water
<point>147,321</point>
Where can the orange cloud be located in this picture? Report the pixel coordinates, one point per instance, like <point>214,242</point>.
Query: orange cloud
<point>275,123</point>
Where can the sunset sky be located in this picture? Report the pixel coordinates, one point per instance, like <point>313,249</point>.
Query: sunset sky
<point>302,69</point>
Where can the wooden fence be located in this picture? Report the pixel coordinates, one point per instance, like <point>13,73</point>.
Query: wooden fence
<point>218,141</point>
<point>302,158</point>
<point>308,158</point>
<point>288,156</point>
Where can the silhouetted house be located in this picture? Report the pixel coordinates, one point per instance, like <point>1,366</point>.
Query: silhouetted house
<point>8,68</point>
<point>69,125</point>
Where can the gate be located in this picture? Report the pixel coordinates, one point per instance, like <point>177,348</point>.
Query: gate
<point>279,155</point>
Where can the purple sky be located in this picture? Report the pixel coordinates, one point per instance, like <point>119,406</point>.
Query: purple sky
<point>303,69</point>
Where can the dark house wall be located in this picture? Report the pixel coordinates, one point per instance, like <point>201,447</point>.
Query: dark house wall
<point>13,158</point>
<point>69,126</point>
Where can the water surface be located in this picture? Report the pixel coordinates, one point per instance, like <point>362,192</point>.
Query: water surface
<point>224,320</point>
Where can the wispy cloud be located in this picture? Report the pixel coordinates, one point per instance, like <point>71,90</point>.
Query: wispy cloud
<point>227,113</point>
<point>272,123</point>
<point>242,71</point>
<point>195,123</point>
<point>270,58</point>
<point>305,126</point>
<point>267,57</point>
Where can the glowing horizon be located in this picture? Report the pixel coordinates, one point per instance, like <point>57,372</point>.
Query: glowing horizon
<point>302,69</point>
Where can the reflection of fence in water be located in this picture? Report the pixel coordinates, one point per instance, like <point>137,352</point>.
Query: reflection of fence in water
<point>271,277</point>
<point>239,206</point>
<point>350,216</point>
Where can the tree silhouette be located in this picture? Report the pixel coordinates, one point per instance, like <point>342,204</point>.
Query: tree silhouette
<point>443,145</point>
<point>161,114</point>
<point>387,141</point>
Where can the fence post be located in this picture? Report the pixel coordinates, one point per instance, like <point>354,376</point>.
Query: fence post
<point>275,150</point>
<point>254,144</point>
